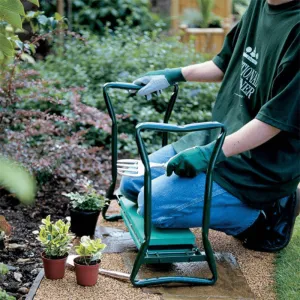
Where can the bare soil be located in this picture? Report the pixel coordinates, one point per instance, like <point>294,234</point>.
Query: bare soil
<point>22,250</point>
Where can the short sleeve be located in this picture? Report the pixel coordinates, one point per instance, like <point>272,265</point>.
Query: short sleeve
<point>282,110</point>
<point>222,59</point>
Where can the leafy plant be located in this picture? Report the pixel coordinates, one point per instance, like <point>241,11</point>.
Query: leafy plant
<point>12,17</point>
<point>89,250</point>
<point>5,296</point>
<point>55,238</point>
<point>90,200</point>
<point>193,19</point>
<point>206,7</point>
<point>124,56</point>
<point>45,133</point>
<point>3,269</point>
<point>98,16</point>
<point>10,13</point>
<point>17,180</point>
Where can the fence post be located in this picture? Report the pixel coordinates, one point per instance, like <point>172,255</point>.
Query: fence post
<point>175,14</point>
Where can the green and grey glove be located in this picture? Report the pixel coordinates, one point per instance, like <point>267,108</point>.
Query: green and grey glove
<point>158,80</point>
<point>192,161</point>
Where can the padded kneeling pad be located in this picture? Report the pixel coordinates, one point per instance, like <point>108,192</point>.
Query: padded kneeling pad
<point>273,229</point>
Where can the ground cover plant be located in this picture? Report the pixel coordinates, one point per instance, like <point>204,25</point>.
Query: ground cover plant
<point>287,275</point>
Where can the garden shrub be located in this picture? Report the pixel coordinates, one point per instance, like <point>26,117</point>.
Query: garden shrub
<point>96,15</point>
<point>123,56</point>
<point>34,132</point>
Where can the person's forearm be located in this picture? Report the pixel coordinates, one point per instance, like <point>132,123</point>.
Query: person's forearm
<point>205,72</point>
<point>250,136</point>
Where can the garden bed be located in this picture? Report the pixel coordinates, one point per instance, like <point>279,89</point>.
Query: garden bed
<point>22,253</point>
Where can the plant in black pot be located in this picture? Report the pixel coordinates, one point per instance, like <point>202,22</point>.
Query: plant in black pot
<point>87,264</point>
<point>85,211</point>
<point>56,240</point>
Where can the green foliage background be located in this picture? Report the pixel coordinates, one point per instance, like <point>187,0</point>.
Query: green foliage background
<point>122,56</point>
<point>95,15</point>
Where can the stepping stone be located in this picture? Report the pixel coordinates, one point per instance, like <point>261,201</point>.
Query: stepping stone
<point>117,240</point>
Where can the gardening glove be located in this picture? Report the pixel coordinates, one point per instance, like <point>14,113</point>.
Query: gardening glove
<point>158,80</point>
<point>192,161</point>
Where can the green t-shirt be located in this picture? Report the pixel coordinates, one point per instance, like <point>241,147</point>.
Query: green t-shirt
<point>260,60</point>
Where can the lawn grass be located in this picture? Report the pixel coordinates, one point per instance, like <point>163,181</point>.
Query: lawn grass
<point>287,275</point>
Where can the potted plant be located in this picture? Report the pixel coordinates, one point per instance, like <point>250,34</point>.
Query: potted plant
<point>204,22</point>
<point>56,239</point>
<point>85,210</point>
<point>87,264</point>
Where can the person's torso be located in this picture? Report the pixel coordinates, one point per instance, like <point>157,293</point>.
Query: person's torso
<point>247,85</point>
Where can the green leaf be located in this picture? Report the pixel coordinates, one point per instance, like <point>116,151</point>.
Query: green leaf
<point>28,58</point>
<point>6,47</point>
<point>43,20</point>
<point>16,179</point>
<point>58,17</point>
<point>19,44</point>
<point>10,17</point>
<point>1,55</point>
<point>14,6</point>
<point>35,2</point>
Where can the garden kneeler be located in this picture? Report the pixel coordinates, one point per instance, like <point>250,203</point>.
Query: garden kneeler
<point>156,245</point>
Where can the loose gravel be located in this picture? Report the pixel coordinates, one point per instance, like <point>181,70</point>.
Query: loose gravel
<point>257,267</point>
<point>106,288</point>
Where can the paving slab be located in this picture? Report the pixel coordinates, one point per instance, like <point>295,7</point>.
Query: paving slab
<point>116,240</point>
<point>231,283</point>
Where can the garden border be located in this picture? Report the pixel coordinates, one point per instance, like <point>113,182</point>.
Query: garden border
<point>35,285</point>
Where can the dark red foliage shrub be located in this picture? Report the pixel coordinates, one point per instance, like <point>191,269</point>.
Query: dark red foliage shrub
<point>44,128</point>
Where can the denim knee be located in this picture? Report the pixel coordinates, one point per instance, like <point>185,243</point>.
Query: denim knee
<point>128,188</point>
<point>157,210</point>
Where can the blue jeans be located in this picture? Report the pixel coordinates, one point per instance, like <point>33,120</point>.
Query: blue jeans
<point>177,202</point>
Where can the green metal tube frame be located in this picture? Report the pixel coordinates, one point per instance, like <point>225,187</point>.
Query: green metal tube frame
<point>114,149</point>
<point>148,203</point>
<point>165,128</point>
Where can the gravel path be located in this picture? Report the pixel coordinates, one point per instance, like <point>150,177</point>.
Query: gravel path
<point>106,288</point>
<point>257,267</point>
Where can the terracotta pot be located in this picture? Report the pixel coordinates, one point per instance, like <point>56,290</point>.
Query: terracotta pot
<point>86,275</point>
<point>84,222</point>
<point>54,268</point>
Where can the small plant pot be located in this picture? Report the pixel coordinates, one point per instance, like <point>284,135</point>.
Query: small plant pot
<point>86,275</point>
<point>84,222</point>
<point>54,268</point>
